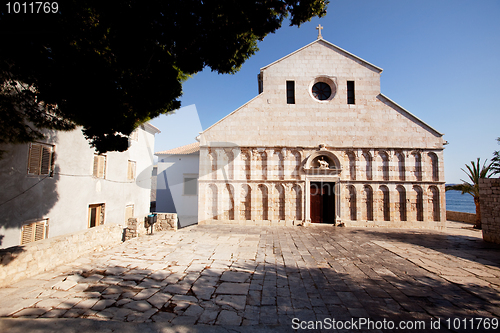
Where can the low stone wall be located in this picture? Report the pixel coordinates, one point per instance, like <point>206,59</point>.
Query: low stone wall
<point>166,221</point>
<point>489,192</point>
<point>460,217</point>
<point>428,225</point>
<point>20,262</point>
<point>137,226</point>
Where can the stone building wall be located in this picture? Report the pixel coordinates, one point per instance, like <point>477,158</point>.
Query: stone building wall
<point>374,187</point>
<point>374,121</point>
<point>258,163</point>
<point>461,217</point>
<point>489,191</point>
<point>138,226</point>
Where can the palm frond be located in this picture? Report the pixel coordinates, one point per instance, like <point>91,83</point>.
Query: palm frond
<point>485,170</point>
<point>470,174</point>
<point>464,188</point>
<point>474,172</point>
<point>495,167</point>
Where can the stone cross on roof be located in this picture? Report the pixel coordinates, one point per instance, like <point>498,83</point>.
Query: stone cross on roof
<point>319,27</point>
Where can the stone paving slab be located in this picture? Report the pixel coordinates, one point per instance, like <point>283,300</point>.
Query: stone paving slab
<point>79,325</point>
<point>260,278</point>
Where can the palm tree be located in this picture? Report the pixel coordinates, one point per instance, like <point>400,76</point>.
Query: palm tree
<point>472,188</point>
<point>496,161</point>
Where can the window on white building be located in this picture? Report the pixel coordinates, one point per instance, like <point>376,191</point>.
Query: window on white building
<point>190,184</point>
<point>131,170</point>
<point>129,212</point>
<point>96,215</point>
<point>99,169</point>
<point>40,159</point>
<point>34,231</point>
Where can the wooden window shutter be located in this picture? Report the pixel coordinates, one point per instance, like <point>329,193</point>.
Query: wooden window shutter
<point>96,165</point>
<point>96,215</point>
<point>40,230</point>
<point>34,231</point>
<point>131,170</point>
<point>129,212</point>
<point>27,234</point>
<point>99,166</point>
<point>34,159</point>
<point>102,166</point>
<point>40,159</point>
<point>46,161</point>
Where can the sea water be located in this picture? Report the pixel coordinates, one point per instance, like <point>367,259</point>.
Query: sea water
<point>459,202</point>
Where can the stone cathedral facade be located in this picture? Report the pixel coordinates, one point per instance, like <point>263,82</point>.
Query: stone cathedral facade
<point>321,144</point>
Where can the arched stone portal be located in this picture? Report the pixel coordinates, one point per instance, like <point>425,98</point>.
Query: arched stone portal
<point>322,169</point>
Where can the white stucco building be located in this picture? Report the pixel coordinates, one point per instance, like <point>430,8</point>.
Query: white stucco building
<point>61,185</point>
<point>177,183</point>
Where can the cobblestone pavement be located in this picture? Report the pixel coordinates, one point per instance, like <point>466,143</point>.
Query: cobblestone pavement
<point>232,276</point>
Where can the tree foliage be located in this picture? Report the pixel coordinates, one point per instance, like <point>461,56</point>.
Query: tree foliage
<point>496,161</point>
<point>474,172</point>
<point>111,65</point>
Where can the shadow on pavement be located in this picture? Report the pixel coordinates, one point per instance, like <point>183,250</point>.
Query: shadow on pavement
<point>312,275</point>
<point>465,247</point>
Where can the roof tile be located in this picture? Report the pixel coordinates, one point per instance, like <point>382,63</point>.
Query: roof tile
<point>183,150</point>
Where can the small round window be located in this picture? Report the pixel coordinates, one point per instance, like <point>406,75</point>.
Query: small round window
<point>321,91</point>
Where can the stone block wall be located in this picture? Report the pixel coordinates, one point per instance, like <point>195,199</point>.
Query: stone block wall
<point>489,191</point>
<point>373,121</point>
<point>373,187</point>
<point>131,230</point>
<point>166,221</point>
<point>21,262</point>
<point>137,226</point>
<point>460,217</point>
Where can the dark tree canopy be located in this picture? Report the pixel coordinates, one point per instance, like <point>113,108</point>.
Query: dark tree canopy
<point>111,65</point>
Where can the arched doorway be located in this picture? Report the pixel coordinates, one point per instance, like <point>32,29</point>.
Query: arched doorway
<point>322,202</point>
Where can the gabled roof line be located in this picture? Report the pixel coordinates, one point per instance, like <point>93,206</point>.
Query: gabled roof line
<point>231,113</point>
<point>152,128</point>
<point>182,150</point>
<point>378,69</point>
<point>411,114</point>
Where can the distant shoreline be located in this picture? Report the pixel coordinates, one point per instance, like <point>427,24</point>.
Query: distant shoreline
<point>458,202</point>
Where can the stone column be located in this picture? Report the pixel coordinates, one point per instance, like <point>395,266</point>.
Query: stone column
<point>204,163</point>
<point>253,200</point>
<point>288,201</point>
<point>357,158</point>
<point>376,173</point>
<point>393,175</point>
<point>221,164</point>
<point>237,168</point>
<point>425,198</point>
<point>378,205</point>
<point>411,205</point>
<point>307,202</point>
<point>338,202</point>
<point>237,200</point>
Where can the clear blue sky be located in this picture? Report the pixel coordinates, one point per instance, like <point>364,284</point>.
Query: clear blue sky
<point>441,61</point>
